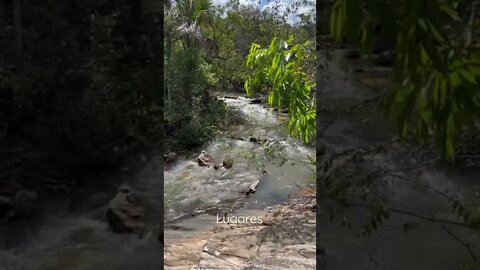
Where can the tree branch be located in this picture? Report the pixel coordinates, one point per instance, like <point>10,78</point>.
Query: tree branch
<point>463,243</point>
<point>419,216</point>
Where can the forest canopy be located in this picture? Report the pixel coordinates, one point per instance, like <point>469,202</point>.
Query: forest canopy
<point>206,49</point>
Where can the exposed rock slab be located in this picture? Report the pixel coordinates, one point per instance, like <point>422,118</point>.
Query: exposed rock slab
<point>284,240</point>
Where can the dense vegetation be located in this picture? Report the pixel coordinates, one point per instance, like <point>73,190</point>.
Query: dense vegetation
<point>280,67</point>
<point>79,87</point>
<point>205,53</point>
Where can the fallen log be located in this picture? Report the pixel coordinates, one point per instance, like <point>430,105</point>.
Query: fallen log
<point>254,186</point>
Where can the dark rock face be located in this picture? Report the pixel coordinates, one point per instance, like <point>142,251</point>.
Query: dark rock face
<point>126,212</point>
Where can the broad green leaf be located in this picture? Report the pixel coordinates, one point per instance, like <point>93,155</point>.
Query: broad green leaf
<point>468,76</point>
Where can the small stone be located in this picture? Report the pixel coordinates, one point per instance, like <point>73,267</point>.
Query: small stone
<point>227,163</point>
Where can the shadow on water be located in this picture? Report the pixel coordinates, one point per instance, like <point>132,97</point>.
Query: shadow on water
<point>72,233</point>
<point>428,245</point>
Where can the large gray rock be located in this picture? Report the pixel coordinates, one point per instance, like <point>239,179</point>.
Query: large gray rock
<point>126,212</point>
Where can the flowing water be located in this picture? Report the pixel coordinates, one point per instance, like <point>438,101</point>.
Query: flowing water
<point>74,234</point>
<point>77,237</point>
<point>429,245</point>
<point>192,190</point>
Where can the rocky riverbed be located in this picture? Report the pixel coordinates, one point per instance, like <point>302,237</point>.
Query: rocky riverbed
<point>284,240</point>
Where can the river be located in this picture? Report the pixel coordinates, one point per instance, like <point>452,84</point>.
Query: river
<point>76,236</point>
<point>73,233</point>
<point>200,193</point>
<point>429,245</point>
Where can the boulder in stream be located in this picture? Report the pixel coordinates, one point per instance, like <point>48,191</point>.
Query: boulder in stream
<point>205,159</point>
<point>228,163</point>
<point>126,211</point>
<point>170,157</point>
<point>258,140</point>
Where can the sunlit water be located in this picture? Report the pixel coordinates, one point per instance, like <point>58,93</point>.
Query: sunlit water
<point>191,189</point>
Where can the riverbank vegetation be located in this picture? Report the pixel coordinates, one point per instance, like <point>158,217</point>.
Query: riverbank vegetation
<point>206,47</point>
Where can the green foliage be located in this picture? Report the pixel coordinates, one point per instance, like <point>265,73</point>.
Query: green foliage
<point>80,96</point>
<point>212,62</point>
<point>194,11</point>
<point>234,27</point>
<point>194,116</point>
<point>436,69</point>
<point>186,78</point>
<point>280,66</point>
